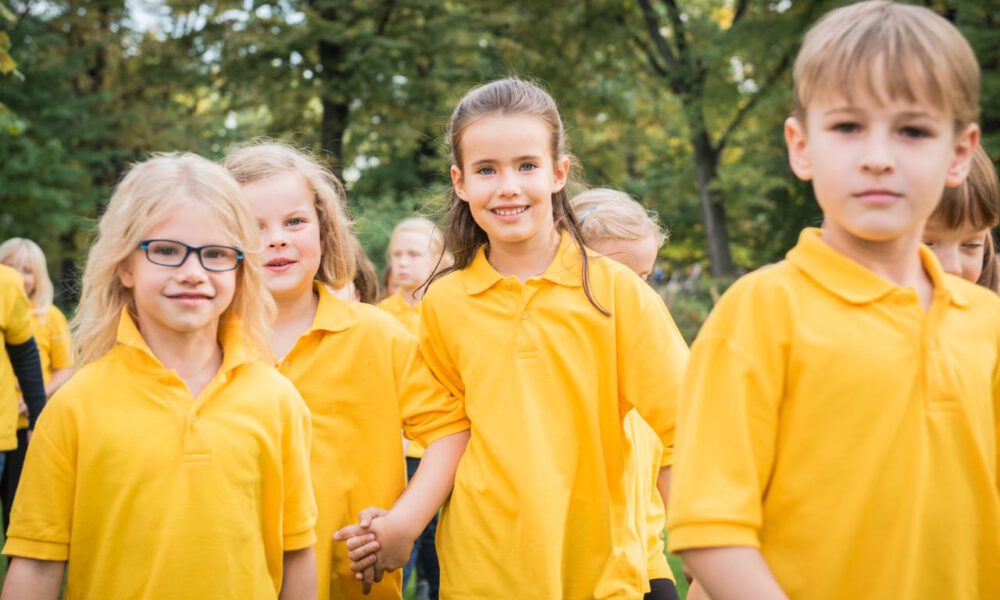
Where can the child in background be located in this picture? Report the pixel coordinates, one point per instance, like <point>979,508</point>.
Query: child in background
<point>174,463</point>
<point>959,230</point>
<point>416,248</point>
<point>52,337</point>
<point>20,368</point>
<point>349,360</point>
<point>544,349</point>
<point>620,228</point>
<point>838,425</point>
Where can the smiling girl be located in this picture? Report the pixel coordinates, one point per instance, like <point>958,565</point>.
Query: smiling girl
<point>544,349</point>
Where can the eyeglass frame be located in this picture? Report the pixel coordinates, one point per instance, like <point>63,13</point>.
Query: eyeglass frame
<point>144,246</point>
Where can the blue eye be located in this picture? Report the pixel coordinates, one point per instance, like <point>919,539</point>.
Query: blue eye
<point>486,171</point>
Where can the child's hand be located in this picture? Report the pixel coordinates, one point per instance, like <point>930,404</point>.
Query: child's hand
<point>395,542</point>
<point>362,547</point>
<point>22,408</point>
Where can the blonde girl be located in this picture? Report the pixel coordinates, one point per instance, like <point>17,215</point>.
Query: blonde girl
<point>618,227</point>
<point>52,337</point>
<point>544,349</point>
<point>175,461</point>
<point>347,359</point>
<point>959,230</point>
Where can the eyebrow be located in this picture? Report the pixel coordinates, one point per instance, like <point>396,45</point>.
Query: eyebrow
<point>853,110</point>
<point>484,161</point>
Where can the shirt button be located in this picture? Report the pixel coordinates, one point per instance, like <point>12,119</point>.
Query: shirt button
<point>524,315</point>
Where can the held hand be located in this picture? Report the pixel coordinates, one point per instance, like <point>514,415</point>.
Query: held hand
<point>362,547</point>
<point>395,542</point>
<point>22,408</point>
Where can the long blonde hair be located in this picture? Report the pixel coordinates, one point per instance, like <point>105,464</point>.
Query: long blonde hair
<point>22,251</point>
<point>260,160</point>
<point>150,192</point>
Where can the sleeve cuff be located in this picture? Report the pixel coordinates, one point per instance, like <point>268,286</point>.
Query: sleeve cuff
<point>711,535</point>
<point>36,549</point>
<point>426,438</point>
<point>298,541</point>
<point>659,570</point>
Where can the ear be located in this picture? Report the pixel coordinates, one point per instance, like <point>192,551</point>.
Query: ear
<point>458,182</point>
<point>560,173</point>
<point>966,143</point>
<point>798,156</point>
<point>125,274</point>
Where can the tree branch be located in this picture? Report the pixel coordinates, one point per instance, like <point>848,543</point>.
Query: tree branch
<point>651,57</point>
<point>741,9</point>
<point>653,28</point>
<point>680,35</point>
<point>773,76</point>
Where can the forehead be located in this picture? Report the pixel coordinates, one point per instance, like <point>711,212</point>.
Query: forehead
<point>409,240</point>
<point>284,192</point>
<point>505,136</point>
<point>193,223</point>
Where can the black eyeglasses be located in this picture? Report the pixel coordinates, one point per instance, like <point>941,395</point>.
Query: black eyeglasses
<point>168,253</point>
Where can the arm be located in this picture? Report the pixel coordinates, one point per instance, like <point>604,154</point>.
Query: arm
<point>28,370</point>
<point>396,530</point>
<point>733,572</point>
<point>299,579</point>
<point>30,579</point>
<point>59,377</point>
<point>663,484</point>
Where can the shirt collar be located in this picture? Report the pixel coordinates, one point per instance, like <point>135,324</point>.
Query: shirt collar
<point>855,283</point>
<point>565,269</point>
<point>235,351</point>
<point>332,313</point>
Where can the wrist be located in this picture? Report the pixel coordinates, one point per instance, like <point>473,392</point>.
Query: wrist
<point>407,524</point>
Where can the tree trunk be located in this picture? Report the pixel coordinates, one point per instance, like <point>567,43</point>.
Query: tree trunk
<point>336,104</point>
<point>713,213</point>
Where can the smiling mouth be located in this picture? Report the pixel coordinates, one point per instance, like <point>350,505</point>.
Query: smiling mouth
<point>278,262</point>
<point>189,297</point>
<point>509,212</point>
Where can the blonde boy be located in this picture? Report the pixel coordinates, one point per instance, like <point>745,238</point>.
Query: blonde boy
<point>837,434</point>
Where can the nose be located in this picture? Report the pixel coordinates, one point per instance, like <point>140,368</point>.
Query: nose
<point>877,157</point>
<point>191,270</point>
<point>948,256</point>
<point>273,238</point>
<point>509,185</point>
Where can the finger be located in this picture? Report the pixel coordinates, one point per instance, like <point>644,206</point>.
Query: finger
<point>366,583</point>
<point>378,574</point>
<point>366,551</point>
<point>366,562</point>
<point>349,532</point>
<point>356,542</point>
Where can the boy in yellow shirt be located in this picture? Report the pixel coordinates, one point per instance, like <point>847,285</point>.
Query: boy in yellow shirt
<point>837,432</point>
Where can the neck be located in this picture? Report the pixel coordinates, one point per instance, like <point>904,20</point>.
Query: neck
<point>524,259</point>
<point>296,308</point>
<point>412,297</point>
<point>896,260</point>
<point>196,356</point>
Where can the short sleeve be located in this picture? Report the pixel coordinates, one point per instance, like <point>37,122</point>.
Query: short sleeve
<point>432,404</point>
<point>727,424</point>
<point>60,356</point>
<point>41,519</point>
<point>651,365</point>
<point>299,502</point>
<point>15,310</point>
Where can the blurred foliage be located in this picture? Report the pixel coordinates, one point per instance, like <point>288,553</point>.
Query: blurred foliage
<point>369,85</point>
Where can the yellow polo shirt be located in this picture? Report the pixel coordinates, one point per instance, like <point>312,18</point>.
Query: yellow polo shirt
<point>650,516</point>
<point>830,421</point>
<point>409,316</point>
<point>540,506</point>
<point>350,367</point>
<point>52,337</point>
<point>15,324</point>
<point>149,492</point>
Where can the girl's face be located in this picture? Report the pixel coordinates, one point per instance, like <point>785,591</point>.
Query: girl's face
<point>410,259</point>
<point>27,273</point>
<point>508,176</point>
<point>961,251</point>
<point>289,231</point>
<point>187,299</point>
<point>638,255</point>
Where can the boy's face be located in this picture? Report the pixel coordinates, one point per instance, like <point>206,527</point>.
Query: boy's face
<point>878,169</point>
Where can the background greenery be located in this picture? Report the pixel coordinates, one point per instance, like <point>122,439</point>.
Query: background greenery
<point>678,102</point>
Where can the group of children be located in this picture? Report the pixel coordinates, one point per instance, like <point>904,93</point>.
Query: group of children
<point>233,426</point>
